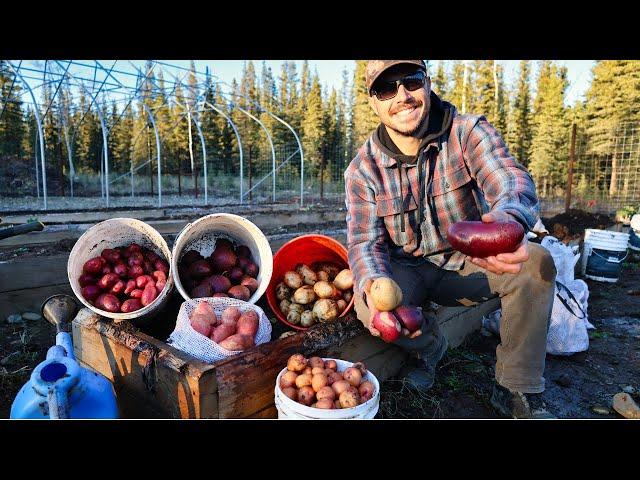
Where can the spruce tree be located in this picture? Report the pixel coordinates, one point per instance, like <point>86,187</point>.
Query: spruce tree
<point>439,81</point>
<point>457,85</point>
<point>365,120</point>
<point>313,128</point>
<point>519,138</point>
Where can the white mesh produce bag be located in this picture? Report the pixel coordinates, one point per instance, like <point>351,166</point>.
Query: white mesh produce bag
<point>185,338</point>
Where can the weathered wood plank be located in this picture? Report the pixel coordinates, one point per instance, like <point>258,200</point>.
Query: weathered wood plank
<point>167,380</point>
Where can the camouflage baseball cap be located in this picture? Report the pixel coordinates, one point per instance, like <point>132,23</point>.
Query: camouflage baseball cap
<point>376,67</point>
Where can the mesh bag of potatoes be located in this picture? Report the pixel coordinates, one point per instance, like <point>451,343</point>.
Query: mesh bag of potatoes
<point>214,328</point>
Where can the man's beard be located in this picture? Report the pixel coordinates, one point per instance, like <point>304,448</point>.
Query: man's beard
<point>413,131</point>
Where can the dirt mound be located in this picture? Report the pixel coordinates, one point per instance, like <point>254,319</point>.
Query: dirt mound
<point>572,224</point>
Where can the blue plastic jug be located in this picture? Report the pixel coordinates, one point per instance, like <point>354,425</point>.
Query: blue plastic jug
<point>60,388</point>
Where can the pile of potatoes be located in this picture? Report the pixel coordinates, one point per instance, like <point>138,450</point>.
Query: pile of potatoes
<point>235,330</point>
<point>316,383</point>
<point>309,295</point>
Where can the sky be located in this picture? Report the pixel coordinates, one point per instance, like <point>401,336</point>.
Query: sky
<point>329,71</point>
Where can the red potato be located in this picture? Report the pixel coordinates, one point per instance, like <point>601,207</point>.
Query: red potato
<point>86,279</point>
<point>223,259</point>
<point>161,265</point>
<point>235,275</point>
<point>129,287</point>
<point>326,392</point>
<point>136,293</point>
<point>221,295</point>
<point>240,292</point>
<point>291,392</point>
<point>91,292</point>
<point>107,281</point>
<point>237,342</point>
<point>230,315</point>
<point>202,290</point>
<point>118,288</point>
<point>250,282</point>
<point>190,257</point>
<point>388,326</point>
<point>142,280</point>
<point>130,305</point>
<point>325,403</point>
<point>222,331</point>
<point>479,239</point>
<point>135,271</point>
<point>111,255</point>
<point>353,376</point>
<point>410,317</point>
<point>133,247</point>
<point>150,256</point>
<point>333,377</point>
<point>242,262</point>
<point>219,283</point>
<point>288,379</point>
<point>106,269</point>
<point>149,294</point>
<point>206,312</point>
<point>306,395</point>
<point>248,323</point>
<point>316,362</point>
<point>147,266</point>
<point>331,364</point>
<point>243,252</point>
<point>93,266</point>
<point>366,390</point>
<point>160,284</point>
<point>224,244</point>
<point>120,269</point>
<point>251,269</point>
<point>200,269</point>
<point>108,303</point>
<point>135,258</point>
<point>201,325</point>
<point>159,275</point>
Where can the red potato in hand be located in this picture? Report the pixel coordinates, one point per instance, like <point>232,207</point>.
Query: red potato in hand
<point>410,317</point>
<point>480,239</point>
<point>388,325</point>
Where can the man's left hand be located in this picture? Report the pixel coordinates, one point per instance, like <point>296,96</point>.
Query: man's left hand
<point>503,262</point>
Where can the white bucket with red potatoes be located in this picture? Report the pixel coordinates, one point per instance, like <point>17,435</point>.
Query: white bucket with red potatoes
<point>112,234</point>
<point>289,409</point>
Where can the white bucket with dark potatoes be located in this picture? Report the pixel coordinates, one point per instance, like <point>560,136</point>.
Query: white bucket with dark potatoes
<point>603,254</point>
<point>112,233</point>
<point>201,235</point>
<point>291,410</point>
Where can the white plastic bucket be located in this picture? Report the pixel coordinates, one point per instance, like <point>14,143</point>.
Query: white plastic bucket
<point>112,233</point>
<point>603,253</point>
<point>201,236</point>
<point>291,410</point>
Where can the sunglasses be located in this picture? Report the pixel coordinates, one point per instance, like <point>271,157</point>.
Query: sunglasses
<point>387,90</point>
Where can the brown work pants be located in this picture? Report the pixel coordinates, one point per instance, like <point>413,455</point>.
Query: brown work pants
<point>526,300</point>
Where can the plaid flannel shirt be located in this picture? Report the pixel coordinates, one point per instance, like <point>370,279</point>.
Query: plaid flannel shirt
<point>471,172</point>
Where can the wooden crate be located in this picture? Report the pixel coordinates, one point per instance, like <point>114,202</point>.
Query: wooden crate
<point>154,380</point>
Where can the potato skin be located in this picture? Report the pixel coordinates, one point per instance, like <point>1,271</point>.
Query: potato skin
<point>480,239</point>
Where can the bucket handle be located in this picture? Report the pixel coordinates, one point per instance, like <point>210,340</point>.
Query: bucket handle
<point>608,259</point>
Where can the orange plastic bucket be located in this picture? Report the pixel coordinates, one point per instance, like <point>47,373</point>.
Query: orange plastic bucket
<point>305,249</point>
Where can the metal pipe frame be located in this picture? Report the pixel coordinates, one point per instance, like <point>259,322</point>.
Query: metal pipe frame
<point>40,132</point>
<point>235,130</point>
<point>273,150</point>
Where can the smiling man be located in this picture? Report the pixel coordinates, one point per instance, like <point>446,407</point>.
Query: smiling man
<point>424,168</point>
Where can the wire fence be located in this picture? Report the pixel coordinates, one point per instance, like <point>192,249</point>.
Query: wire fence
<point>605,178</point>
